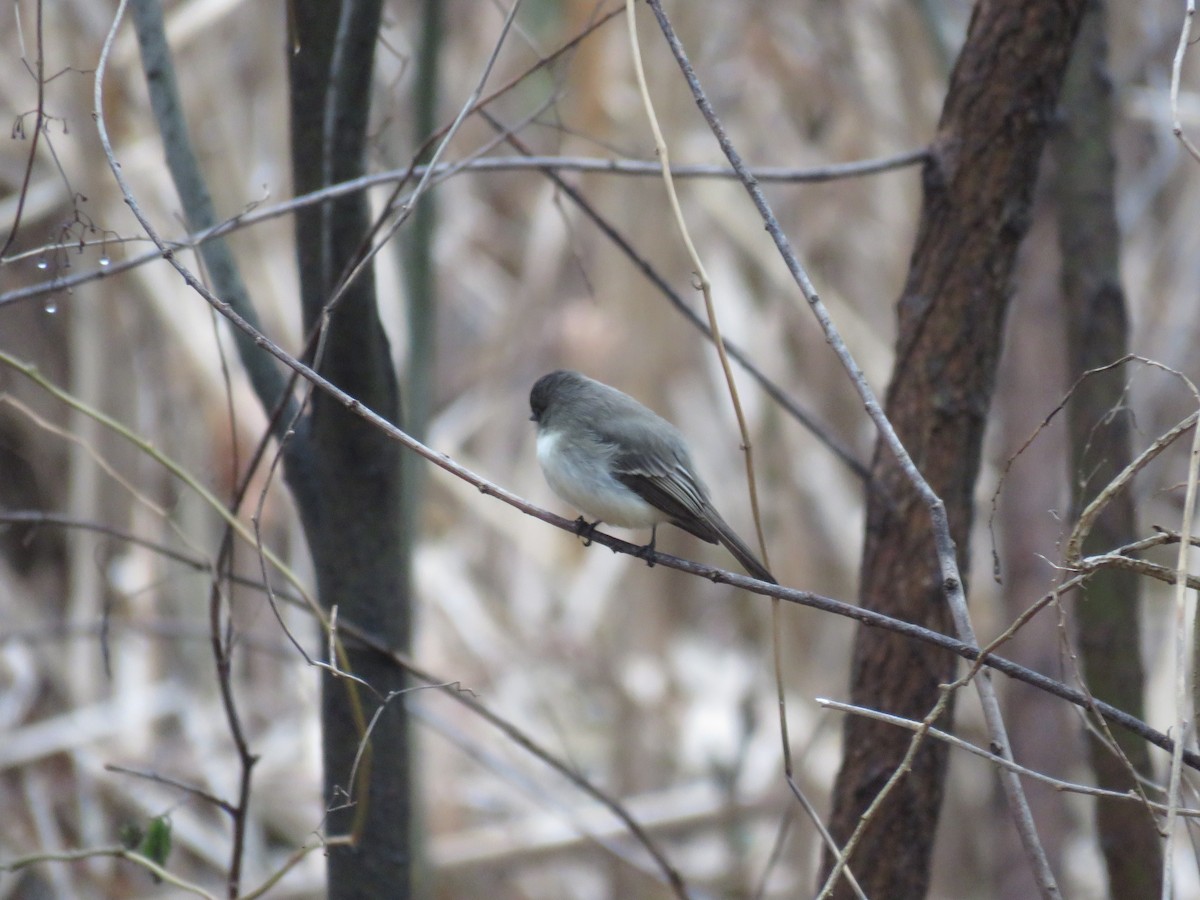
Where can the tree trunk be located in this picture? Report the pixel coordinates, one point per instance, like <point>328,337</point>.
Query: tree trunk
<point>1100,423</point>
<point>346,475</point>
<point>977,193</point>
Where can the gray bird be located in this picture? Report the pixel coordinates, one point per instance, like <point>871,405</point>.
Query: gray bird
<point>617,461</point>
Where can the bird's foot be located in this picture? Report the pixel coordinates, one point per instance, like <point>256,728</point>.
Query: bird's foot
<point>647,552</point>
<point>586,530</point>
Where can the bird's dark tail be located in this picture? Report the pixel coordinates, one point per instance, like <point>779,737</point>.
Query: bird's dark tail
<point>738,548</point>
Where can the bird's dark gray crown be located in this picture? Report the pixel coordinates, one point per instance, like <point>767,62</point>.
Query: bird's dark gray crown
<point>545,388</point>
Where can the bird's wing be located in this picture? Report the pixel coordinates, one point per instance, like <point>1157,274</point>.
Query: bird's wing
<point>666,483</point>
<point>649,456</point>
<point>663,475</point>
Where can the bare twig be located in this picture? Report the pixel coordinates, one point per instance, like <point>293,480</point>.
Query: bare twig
<point>704,285</point>
<point>1185,35</point>
<point>1185,634</point>
<point>626,246</point>
<point>1056,783</point>
<point>722,576</point>
<point>193,561</point>
<point>952,582</point>
<point>1074,547</point>
<point>318,843</point>
<point>881,795</point>
<point>968,650</point>
<point>1076,542</point>
<point>39,123</point>
<point>197,792</point>
<point>440,173</point>
<point>117,852</point>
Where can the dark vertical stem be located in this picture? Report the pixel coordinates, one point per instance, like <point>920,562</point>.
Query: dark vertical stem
<point>421,293</point>
<point>345,472</point>
<point>421,282</point>
<point>1100,434</point>
<point>420,278</point>
<point>222,650</point>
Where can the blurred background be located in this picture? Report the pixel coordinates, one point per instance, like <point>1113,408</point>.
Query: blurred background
<point>656,685</point>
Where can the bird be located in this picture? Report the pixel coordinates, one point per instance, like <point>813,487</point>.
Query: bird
<point>619,462</point>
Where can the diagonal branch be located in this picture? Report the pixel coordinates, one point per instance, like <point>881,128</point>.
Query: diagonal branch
<point>952,584</point>
<point>193,193</point>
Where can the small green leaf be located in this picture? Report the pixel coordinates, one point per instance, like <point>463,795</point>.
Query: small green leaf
<point>156,845</point>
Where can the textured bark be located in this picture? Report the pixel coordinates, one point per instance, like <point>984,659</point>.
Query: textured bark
<point>977,194</point>
<point>346,475</point>
<point>1100,423</point>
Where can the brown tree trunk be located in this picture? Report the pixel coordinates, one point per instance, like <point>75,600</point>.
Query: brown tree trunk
<point>1100,423</point>
<point>978,186</point>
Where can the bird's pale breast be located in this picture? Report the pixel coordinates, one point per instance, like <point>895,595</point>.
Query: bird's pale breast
<point>581,476</point>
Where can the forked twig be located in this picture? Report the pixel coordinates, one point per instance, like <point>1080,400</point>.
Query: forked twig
<point>952,581</point>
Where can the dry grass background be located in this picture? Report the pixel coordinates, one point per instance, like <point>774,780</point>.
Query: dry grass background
<point>654,684</point>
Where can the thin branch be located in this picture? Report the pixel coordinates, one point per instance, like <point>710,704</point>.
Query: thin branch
<point>1144,567</point>
<point>716,575</point>
<point>1185,633</point>
<point>440,173</point>
<point>1075,543</point>
<point>196,562</point>
<point>222,651</point>
<point>893,780</point>
<point>626,246</point>
<point>291,862</point>
<point>191,789</point>
<point>31,372</point>
<point>39,75</point>
<point>704,285</point>
<point>1089,515</point>
<point>118,852</point>
<point>865,616</point>
<point>952,581</point>
<point>1056,783</point>
<point>1185,37</point>
<point>193,192</point>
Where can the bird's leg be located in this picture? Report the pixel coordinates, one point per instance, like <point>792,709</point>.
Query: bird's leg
<point>586,530</point>
<point>647,552</point>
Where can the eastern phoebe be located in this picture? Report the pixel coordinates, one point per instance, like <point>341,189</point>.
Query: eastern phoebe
<point>618,462</point>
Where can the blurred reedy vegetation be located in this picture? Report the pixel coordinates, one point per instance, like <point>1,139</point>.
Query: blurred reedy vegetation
<point>655,684</point>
